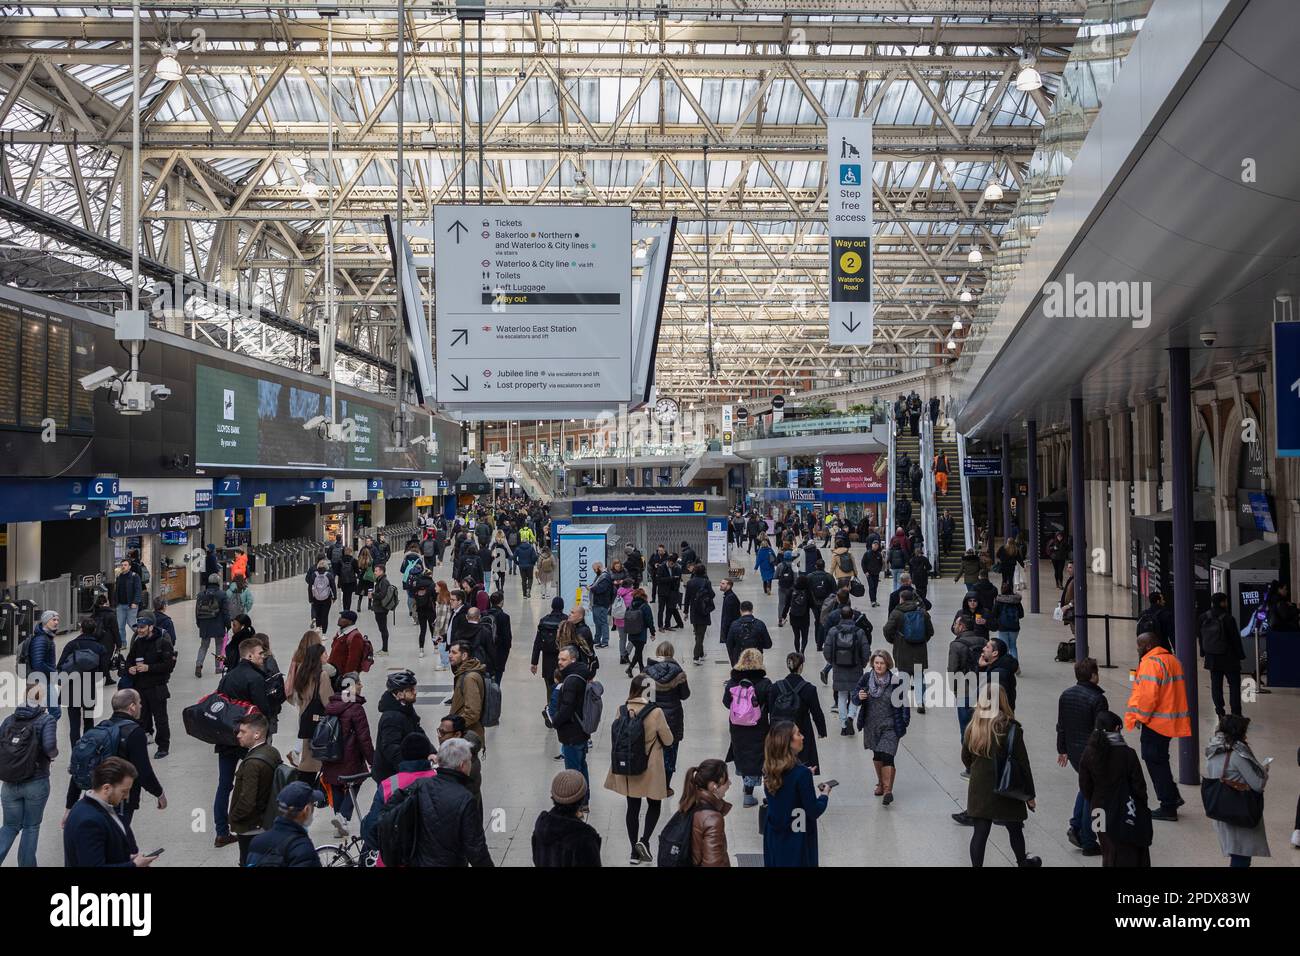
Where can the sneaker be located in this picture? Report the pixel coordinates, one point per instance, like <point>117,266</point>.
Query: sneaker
<point>1295,839</point>
<point>920,709</point>
<point>198,672</point>
<point>965,775</point>
<point>1169,816</point>
<point>1072,835</point>
<point>875,604</point>
<point>750,800</point>
<point>1093,850</point>
<point>642,851</point>
<point>623,661</point>
<point>635,858</point>
<point>226,840</point>
<point>160,753</point>
<point>340,826</point>
<point>422,653</point>
<point>846,731</point>
<point>1032,861</point>
<point>963,819</point>
<point>701,661</point>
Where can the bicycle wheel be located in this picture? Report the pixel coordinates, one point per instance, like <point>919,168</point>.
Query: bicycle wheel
<point>334,856</point>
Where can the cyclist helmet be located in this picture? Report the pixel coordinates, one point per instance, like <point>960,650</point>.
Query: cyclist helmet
<point>400,680</point>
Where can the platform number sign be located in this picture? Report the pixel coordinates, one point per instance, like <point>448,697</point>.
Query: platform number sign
<point>374,484</point>
<point>227,486</point>
<point>101,489</point>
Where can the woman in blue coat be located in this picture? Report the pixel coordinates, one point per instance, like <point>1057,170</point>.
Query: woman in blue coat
<point>793,804</point>
<point>765,564</point>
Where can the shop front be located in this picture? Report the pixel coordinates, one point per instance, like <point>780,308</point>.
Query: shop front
<point>164,544</point>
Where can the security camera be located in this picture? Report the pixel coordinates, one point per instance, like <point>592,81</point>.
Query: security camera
<point>160,392</point>
<point>1209,337</point>
<point>104,378</point>
<point>314,423</point>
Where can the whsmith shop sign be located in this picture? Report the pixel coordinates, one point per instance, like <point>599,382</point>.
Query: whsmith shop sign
<point>129,527</point>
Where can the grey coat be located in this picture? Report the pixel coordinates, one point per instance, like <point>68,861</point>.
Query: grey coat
<point>1242,765</point>
<point>845,678</point>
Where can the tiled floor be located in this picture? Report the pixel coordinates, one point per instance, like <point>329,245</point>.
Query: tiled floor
<point>855,830</point>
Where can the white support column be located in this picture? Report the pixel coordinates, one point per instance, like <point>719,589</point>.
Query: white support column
<point>25,546</point>
<point>1119,494</point>
<point>1144,471</point>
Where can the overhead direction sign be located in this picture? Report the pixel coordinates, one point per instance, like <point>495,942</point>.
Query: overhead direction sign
<point>848,212</point>
<point>534,304</point>
<point>1286,388</point>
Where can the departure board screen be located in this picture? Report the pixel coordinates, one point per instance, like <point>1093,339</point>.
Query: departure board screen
<point>41,359</point>
<point>8,368</point>
<point>31,394</point>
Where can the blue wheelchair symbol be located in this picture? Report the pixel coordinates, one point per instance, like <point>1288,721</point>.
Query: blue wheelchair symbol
<point>850,174</point>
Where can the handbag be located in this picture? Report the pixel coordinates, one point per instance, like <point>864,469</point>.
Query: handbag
<point>1013,782</point>
<point>857,588</point>
<point>1057,614</point>
<point>1226,803</point>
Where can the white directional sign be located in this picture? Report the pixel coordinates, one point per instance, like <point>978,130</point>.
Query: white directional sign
<point>848,211</point>
<point>534,303</point>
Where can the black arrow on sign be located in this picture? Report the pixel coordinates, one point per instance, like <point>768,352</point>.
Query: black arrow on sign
<point>460,227</point>
<point>460,385</point>
<point>855,326</point>
<point>462,335</point>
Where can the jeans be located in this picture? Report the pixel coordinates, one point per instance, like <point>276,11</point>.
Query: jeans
<point>848,707</point>
<point>873,584</point>
<point>1081,821</point>
<point>125,622</point>
<point>1235,860</point>
<point>575,758</point>
<point>1155,754</point>
<point>601,617</point>
<point>1009,638</point>
<point>1234,690</point>
<point>526,581</point>
<point>670,761</point>
<point>226,766</point>
<point>964,714</point>
<point>24,805</point>
<point>896,581</point>
<point>622,641</point>
<point>443,660</point>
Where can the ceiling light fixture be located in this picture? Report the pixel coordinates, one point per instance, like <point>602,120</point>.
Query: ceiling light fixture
<point>952,345</point>
<point>580,188</point>
<point>1028,79</point>
<point>956,323</point>
<point>993,191</point>
<point>310,188</point>
<point>168,67</point>
<point>965,295</point>
<point>975,255</point>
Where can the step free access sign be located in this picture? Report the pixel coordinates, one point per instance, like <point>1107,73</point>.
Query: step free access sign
<point>849,228</point>
<point>533,303</point>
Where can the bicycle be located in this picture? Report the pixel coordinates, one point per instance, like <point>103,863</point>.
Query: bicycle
<point>352,852</point>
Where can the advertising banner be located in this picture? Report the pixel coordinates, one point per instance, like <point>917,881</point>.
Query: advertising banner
<point>856,475</point>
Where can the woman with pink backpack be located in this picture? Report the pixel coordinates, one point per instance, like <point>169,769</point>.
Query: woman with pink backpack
<point>746,696</point>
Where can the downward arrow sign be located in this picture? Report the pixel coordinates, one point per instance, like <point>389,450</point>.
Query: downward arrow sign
<point>855,326</point>
<point>460,385</point>
<point>462,335</point>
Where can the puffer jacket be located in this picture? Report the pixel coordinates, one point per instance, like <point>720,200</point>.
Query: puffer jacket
<point>397,718</point>
<point>358,748</point>
<point>562,840</point>
<point>1076,716</point>
<point>671,688</point>
<point>451,824</point>
<point>1013,616</point>
<point>844,677</point>
<point>969,572</point>
<point>709,832</point>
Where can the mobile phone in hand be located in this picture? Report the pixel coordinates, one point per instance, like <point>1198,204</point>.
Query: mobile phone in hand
<point>158,852</point>
<point>830,784</point>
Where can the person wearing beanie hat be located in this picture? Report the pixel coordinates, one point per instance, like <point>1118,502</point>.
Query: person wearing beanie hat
<point>212,617</point>
<point>286,843</point>
<point>415,750</point>
<point>348,650</point>
<point>42,658</point>
<point>545,647</point>
<point>561,837</point>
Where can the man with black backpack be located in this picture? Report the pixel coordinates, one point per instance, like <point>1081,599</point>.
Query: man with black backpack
<point>544,647</point>
<point>119,736</point>
<point>909,630</point>
<point>88,658</point>
<point>502,636</point>
<point>211,617</point>
<point>566,716</point>
<point>1223,650</point>
<point>785,577</point>
<point>28,742</point>
<point>747,631</point>
<point>848,642</point>
<point>384,600</point>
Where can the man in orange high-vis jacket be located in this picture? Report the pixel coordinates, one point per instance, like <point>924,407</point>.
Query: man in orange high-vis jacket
<point>1159,703</point>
